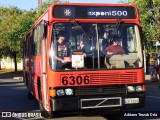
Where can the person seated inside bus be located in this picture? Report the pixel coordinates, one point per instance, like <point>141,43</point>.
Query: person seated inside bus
<point>82,47</point>
<point>63,50</point>
<point>103,41</point>
<point>115,48</point>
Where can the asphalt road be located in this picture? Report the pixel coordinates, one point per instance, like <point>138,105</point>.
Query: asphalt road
<point>13,100</point>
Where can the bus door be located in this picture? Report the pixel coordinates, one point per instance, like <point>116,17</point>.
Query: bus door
<point>43,40</point>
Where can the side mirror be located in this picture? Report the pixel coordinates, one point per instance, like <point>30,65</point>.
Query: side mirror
<point>43,29</point>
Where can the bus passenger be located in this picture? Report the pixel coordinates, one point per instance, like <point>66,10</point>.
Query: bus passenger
<point>63,50</point>
<point>82,47</point>
<point>115,48</point>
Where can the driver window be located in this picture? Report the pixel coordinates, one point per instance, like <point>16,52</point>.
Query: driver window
<point>131,42</point>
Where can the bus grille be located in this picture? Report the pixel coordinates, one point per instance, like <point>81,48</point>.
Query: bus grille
<point>113,78</point>
<point>100,90</point>
<point>101,102</point>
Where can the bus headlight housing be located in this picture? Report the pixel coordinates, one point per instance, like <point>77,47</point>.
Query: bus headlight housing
<point>131,88</point>
<point>134,88</point>
<point>139,88</point>
<point>60,92</point>
<point>69,91</point>
<point>65,91</point>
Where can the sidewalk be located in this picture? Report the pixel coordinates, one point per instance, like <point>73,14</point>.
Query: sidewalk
<point>4,74</point>
<point>151,85</point>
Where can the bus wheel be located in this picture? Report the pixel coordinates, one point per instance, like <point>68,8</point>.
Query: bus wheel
<point>44,112</point>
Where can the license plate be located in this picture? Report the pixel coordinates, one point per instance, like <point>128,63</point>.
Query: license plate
<point>131,100</point>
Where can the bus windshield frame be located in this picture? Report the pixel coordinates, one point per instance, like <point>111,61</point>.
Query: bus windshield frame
<point>96,37</point>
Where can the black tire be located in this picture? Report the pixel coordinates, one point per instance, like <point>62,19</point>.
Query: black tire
<point>43,111</point>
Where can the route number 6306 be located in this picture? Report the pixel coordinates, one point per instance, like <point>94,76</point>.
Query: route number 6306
<point>75,80</point>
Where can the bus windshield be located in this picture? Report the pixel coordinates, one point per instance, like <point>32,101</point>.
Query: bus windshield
<point>83,46</point>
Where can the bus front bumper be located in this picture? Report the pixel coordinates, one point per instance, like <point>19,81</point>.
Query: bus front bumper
<point>97,102</point>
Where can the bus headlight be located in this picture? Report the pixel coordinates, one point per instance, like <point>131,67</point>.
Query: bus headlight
<point>131,88</point>
<point>138,88</point>
<point>69,91</point>
<point>60,92</point>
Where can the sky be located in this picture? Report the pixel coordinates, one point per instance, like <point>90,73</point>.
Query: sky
<point>32,4</point>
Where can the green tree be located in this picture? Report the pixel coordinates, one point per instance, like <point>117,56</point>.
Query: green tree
<point>46,4</point>
<point>21,24</point>
<point>13,25</point>
<point>4,28</point>
<point>150,20</point>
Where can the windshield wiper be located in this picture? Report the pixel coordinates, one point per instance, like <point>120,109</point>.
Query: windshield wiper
<point>118,23</point>
<point>78,27</point>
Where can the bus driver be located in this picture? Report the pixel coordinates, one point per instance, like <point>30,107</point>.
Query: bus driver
<point>63,50</point>
<point>115,48</point>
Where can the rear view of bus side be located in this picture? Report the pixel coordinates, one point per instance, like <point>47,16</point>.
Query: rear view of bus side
<point>66,65</point>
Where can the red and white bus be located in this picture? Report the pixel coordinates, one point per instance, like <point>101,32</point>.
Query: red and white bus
<point>85,80</point>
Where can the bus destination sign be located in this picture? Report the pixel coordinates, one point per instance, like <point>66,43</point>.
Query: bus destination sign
<point>84,12</point>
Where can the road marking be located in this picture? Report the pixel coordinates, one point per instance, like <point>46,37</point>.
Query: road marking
<point>20,118</point>
<point>36,118</point>
<point>153,97</point>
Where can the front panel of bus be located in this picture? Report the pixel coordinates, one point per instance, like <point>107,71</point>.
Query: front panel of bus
<point>89,78</point>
